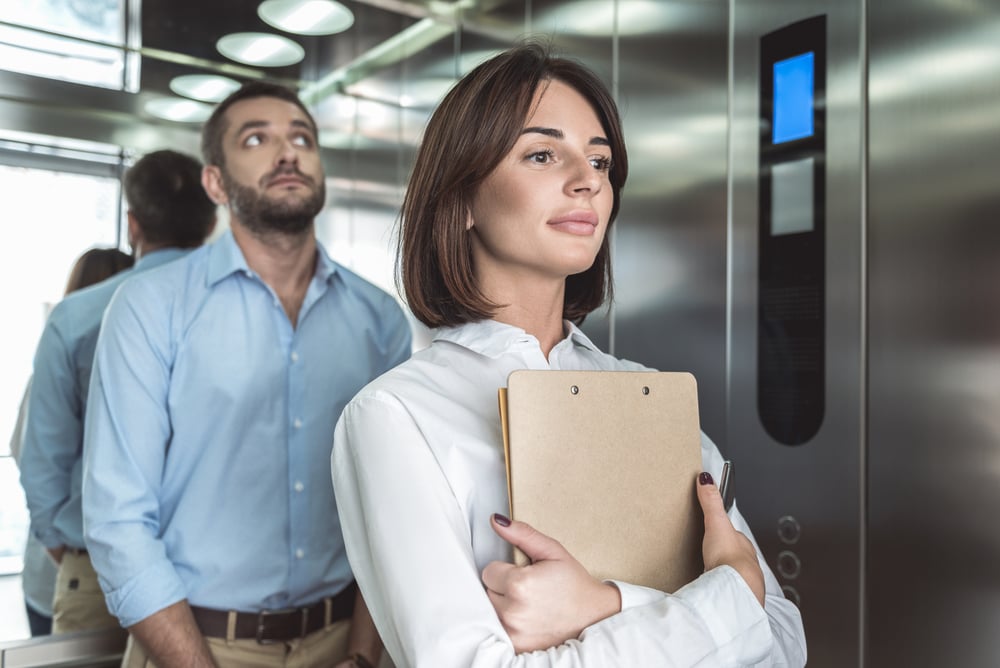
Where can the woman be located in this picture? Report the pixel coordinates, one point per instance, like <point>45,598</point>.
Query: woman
<point>503,247</point>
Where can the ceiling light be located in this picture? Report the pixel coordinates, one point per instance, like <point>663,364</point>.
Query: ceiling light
<point>178,109</point>
<point>205,87</point>
<point>306,17</point>
<point>259,48</point>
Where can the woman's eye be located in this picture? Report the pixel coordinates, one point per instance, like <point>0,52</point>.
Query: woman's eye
<point>541,157</point>
<point>601,164</point>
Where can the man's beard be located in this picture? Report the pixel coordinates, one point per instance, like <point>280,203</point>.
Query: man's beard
<point>262,214</point>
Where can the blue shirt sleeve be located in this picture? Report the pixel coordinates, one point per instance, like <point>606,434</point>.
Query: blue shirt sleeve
<point>53,434</point>
<point>125,443</point>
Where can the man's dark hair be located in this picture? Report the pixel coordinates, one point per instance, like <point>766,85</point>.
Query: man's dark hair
<point>216,125</point>
<point>164,194</point>
<point>471,131</point>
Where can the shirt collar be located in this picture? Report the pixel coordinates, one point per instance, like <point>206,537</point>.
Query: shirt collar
<point>493,339</point>
<point>226,257</point>
<point>160,256</point>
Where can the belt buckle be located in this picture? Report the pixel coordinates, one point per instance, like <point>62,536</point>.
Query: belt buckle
<point>264,614</point>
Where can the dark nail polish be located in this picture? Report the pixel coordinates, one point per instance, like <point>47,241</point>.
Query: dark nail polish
<point>705,478</point>
<point>501,520</point>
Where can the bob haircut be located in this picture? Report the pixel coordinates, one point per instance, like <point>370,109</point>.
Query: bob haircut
<point>473,129</point>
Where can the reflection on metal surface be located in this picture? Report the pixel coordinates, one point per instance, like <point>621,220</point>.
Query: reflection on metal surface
<point>94,649</point>
<point>934,333</point>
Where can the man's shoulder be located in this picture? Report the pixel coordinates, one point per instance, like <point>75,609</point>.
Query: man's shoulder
<point>165,278</point>
<point>81,311</point>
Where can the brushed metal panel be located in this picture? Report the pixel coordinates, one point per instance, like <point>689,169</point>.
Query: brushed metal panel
<point>934,333</point>
<point>819,483</point>
<point>670,246</point>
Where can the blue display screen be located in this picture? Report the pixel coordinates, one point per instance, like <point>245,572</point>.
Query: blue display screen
<point>793,98</point>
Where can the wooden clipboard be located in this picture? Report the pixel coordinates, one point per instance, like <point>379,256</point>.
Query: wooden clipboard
<point>605,462</point>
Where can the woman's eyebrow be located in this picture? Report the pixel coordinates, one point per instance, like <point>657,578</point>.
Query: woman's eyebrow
<point>558,134</point>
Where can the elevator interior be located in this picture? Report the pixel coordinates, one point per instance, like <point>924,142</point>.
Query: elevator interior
<point>875,518</point>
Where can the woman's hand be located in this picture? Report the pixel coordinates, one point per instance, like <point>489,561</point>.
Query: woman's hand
<point>724,545</point>
<point>549,601</point>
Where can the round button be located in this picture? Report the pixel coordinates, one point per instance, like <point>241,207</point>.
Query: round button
<point>299,553</point>
<point>297,424</point>
<point>299,486</point>
<point>792,594</point>
<point>789,565</point>
<point>295,356</point>
<point>789,530</point>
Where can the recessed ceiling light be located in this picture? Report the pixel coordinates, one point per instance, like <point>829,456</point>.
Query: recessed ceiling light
<point>260,48</point>
<point>205,87</point>
<point>306,17</point>
<point>178,109</point>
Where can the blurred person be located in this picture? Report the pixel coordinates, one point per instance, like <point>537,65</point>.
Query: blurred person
<point>168,214</point>
<point>217,384</point>
<point>504,248</point>
<point>38,578</point>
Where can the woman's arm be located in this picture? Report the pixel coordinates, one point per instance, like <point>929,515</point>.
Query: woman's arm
<point>411,549</point>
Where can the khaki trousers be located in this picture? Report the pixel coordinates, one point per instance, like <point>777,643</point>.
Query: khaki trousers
<point>319,649</point>
<point>78,603</point>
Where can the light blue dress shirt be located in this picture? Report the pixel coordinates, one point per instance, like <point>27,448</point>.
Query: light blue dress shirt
<point>209,432</point>
<point>51,457</point>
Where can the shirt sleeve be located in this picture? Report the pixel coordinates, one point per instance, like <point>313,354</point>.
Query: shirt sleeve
<point>53,434</point>
<point>125,444</point>
<point>411,550</point>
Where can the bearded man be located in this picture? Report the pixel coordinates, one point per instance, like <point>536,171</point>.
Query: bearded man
<point>208,508</point>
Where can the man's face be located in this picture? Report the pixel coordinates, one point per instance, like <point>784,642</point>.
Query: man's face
<point>273,177</point>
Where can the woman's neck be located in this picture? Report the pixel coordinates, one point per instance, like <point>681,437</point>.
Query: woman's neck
<point>536,309</point>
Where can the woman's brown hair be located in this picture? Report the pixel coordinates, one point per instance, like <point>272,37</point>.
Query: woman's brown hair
<point>475,126</point>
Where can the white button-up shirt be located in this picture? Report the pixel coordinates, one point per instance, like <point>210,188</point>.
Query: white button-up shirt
<point>418,469</point>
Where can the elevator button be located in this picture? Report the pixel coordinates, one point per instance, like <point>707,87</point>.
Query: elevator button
<point>792,594</point>
<point>789,565</point>
<point>789,530</point>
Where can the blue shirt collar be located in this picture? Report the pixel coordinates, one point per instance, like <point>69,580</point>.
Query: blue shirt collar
<point>160,256</point>
<point>226,258</point>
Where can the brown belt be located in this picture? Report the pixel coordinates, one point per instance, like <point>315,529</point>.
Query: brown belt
<point>277,625</point>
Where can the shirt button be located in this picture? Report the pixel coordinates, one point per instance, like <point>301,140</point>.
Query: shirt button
<point>295,356</point>
<point>299,486</point>
<point>299,553</point>
<point>297,424</point>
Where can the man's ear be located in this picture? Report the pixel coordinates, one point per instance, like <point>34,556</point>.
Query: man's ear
<point>211,180</point>
<point>469,222</point>
<point>134,231</point>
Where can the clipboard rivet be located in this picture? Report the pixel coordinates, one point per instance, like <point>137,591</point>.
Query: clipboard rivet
<point>574,389</point>
<point>645,390</point>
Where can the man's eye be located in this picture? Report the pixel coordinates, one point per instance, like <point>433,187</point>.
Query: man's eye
<point>302,140</point>
<point>252,140</point>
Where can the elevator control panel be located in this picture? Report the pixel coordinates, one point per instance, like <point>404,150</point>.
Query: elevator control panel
<point>791,304</point>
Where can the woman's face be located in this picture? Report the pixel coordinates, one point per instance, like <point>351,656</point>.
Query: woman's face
<point>542,213</point>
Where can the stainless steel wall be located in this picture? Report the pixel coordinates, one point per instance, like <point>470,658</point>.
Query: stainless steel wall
<point>934,333</point>
<point>820,484</point>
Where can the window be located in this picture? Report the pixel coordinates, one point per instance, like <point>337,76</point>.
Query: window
<point>84,41</point>
<point>56,205</point>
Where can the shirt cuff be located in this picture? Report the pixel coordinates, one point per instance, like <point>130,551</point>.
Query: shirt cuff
<point>729,610</point>
<point>152,590</point>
